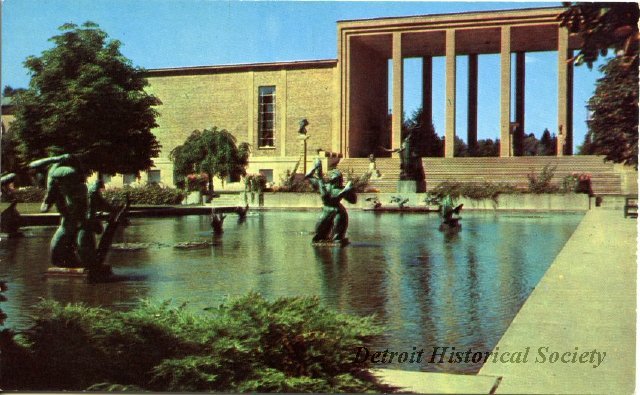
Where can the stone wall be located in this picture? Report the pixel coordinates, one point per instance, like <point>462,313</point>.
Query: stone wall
<point>228,99</point>
<point>569,202</point>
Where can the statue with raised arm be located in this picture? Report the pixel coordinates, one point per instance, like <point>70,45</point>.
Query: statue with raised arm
<point>66,189</point>
<point>333,223</point>
<point>408,158</point>
<point>74,243</point>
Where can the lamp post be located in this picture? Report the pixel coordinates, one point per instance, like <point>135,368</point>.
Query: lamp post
<point>302,135</point>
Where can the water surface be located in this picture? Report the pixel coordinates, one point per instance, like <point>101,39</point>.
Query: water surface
<point>427,289</point>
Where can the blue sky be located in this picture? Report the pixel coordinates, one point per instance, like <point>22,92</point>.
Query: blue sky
<point>175,33</point>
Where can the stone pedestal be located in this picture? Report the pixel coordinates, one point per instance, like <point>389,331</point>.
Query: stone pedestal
<point>410,186</point>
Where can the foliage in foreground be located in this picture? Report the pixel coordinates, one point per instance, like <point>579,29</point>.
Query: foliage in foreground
<point>251,344</point>
<point>601,26</point>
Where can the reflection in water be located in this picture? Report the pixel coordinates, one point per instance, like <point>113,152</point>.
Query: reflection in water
<point>427,288</point>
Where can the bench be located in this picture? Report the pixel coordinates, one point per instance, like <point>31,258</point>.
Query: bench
<point>631,207</point>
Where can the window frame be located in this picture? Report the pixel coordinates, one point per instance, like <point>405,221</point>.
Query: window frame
<point>267,127</point>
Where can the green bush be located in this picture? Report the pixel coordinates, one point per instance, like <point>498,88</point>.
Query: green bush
<point>148,194</point>
<point>251,344</point>
<point>293,182</point>
<point>475,191</point>
<point>28,195</point>
<point>360,183</point>
<point>542,183</point>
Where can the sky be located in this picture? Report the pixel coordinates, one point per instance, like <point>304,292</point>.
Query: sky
<point>181,33</point>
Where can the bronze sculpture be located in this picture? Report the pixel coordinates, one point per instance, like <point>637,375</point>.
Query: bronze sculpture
<point>333,223</point>
<point>217,220</point>
<point>409,160</point>
<point>447,212</point>
<point>74,243</point>
<point>66,189</point>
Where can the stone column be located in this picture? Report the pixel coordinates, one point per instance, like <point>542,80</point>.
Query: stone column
<point>398,92</point>
<point>505,91</point>
<point>520,83</point>
<point>565,95</point>
<point>472,105</point>
<point>427,91</point>
<point>450,105</point>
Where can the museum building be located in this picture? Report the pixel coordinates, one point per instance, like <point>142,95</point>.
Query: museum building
<point>346,100</point>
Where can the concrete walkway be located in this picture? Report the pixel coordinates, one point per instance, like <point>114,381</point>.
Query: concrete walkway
<point>583,307</point>
<point>587,299</point>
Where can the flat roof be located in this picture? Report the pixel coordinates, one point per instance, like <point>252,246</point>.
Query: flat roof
<point>266,66</point>
<point>477,32</point>
<point>456,14</point>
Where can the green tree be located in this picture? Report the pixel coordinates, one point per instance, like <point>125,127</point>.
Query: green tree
<point>86,98</point>
<point>547,144</point>
<point>11,159</point>
<point>602,26</point>
<point>210,151</point>
<point>9,91</point>
<point>460,148</point>
<point>488,147</point>
<point>613,125</point>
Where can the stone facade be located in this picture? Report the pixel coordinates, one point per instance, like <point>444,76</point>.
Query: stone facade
<point>227,97</point>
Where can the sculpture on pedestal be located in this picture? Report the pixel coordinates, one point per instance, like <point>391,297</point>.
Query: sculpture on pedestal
<point>66,189</point>
<point>74,244</point>
<point>408,158</point>
<point>333,223</point>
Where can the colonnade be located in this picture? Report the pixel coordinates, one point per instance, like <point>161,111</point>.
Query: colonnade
<point>511,132</point>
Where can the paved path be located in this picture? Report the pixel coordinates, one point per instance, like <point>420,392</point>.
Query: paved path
<point>586,300</point>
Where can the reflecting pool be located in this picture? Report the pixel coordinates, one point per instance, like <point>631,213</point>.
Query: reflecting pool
<point>427,289</point>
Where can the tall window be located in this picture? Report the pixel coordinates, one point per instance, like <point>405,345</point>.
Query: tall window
<point>267,116</point>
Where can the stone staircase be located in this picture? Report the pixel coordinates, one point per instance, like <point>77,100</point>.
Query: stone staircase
<point>605,179</point>
<point>228,200</point>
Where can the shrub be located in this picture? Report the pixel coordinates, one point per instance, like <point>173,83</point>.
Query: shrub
<point>254,183</point>
<point>475,191</point>
<point>197,182</point>
<point>293,182</point>
<point>148,194</point>
<point>360,183</point>
<point>578,183</point>
<point>542,183</point>
<point>28,195</point>
<point>251,344</point>
<point>296,183</point>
